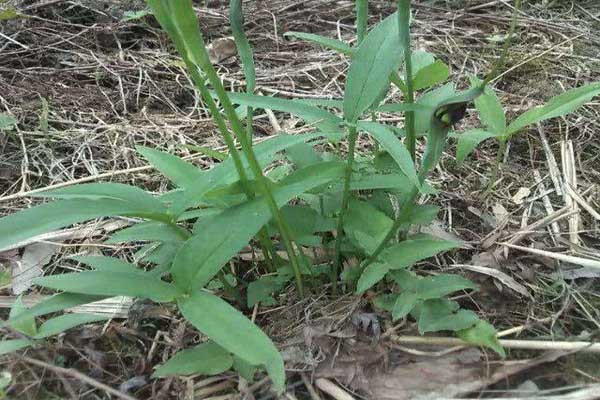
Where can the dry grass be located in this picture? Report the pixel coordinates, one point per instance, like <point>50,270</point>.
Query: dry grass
<point>112,84</point>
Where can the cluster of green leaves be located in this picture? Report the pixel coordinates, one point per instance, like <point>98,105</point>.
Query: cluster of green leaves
<point>493,118</point>
<point>362,206</point>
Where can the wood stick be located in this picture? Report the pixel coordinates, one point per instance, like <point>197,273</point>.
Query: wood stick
<point>332,389</point>
<point>587,347</point>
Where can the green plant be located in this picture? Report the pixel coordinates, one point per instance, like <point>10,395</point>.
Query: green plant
<point>493,118</point>
<point>362,205</point>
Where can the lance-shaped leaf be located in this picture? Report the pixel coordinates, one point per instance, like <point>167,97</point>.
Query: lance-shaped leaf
<point>133,284</point>
<point>231,330</point>
<point>326,42</point>
<point>376,58</point>
<point>62,323</point>
<point>222,236</point>
<point>205,359</point>
<point>388,141</point>
<point>558,106</point>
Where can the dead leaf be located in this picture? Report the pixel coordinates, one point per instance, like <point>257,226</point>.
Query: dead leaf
<point>221,49</point>
<point>485,259</point>
<point>438,229</point>
<point>29,267</point>
<point>432,378</point>
<point>519,197</point>
<point>500,276</point>
<point>500,214</point>
<point>578,273</point>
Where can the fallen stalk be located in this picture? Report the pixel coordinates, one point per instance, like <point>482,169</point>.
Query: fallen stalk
<point>586,347</point>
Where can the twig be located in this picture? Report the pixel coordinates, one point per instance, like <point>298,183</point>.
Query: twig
<point>311,389</point>
<point>555,229</point>
<point>541,223</point>
<point>587,347</point>
<point>79,376</point>
<point>551,160</point>
<point>570,178</point>
<point>591,392</point>
<point>584,262</point>
<point>332,389</point>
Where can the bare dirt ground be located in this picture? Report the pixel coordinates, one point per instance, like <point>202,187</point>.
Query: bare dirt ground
<point>86,85</point>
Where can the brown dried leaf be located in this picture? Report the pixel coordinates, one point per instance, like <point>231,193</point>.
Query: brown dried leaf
<point>29,267</point>
<point>221,49</point>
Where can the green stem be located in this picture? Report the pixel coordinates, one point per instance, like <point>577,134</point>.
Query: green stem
<point>199,81</point>
<point>502,60</point>
<point>362,16</point>
<point>435,145</point>
<point>499,160</point>
<point>263,184</point>
<point>352,136</point>
<point>404,30</point>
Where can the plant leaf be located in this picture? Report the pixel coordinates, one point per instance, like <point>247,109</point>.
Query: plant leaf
<point>62,323</point>
<point>244,368</point>
<point>303,155</point>
<point>374,273</point>
<point>131,284</point>
<point>260,290</point>
<point>489,108</point>
<point>108,264</point>
<point>365,225</point>
<point>388,140</point>
<point>443,315</point>
<point>404,304</point>
<point>323,41</point>
<point>379,54</point>
<point>25,325</point>
<point>558,106</point>
<point>323,119</point>
<point>108,190</point>
<point>205,359</point>
<point>52,304</point>
<point>223,235</point>
<point>9,346</point>
<point>180,172</point>
<point>152,231</point>
<point>59,214</point>
<point>225,173</point>
<point>469,140</point>
<point>441,285</point>
<point>410,251</point>
<point>230,329</point>
<point>7,121</point>
<point>482,334</point>
<point>236,20</point>
<point>430,75</point>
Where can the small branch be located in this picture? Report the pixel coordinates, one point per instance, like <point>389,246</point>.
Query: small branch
<point>588,393</point>
<point>79,376</point>
<point>587,347</point>
<point>332,389</point>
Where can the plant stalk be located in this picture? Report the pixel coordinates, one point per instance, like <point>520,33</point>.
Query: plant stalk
<point>352,136</point>
<point>404,31</point>
<point>263,184</point>
<point>263,237</point>
<point>435,145</point>
<point>502,143</point>
<point>362,17</point>
<point>493,75</point>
